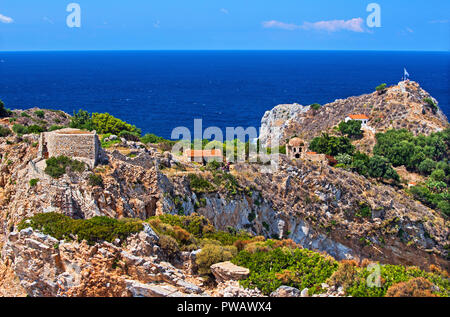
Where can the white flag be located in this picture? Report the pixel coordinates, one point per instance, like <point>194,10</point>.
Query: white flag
<point>406,73</point>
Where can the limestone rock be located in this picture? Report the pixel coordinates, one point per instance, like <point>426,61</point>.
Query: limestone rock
<point>226,271</point>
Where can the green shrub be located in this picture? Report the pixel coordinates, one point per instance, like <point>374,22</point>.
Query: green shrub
<point>3,111</point>
<point>212,254</point>
<point>25,115</point>
<point>381,88</point>
<point>364,211</point>
<point>427,166</point>
<point>391,275</point>
<point>82,120</point>
<point>4,131</point>
<point>438,175</point>
<point>151,138</point>
<point>57,166</point>
<point>331,145</point>
<point>19,129</point>
<point>93,230</point>
<point>316,106</point>
<point>36,129</point>
<point>380,167</point>
<point>213,166</point>
<point>169,245</point>
<point>56,127</point>
<point>418,153</point>
<point>40,114</point>
<point>95,180</point>
<point>299,268</point>
<point>344,159</point>
<point>351,128</point>
<point>434,200</point>
<point>130,136</point>
<point>33,182</point>
<point>431,103</point>
<point>106,123</point>
<point>199,184</point>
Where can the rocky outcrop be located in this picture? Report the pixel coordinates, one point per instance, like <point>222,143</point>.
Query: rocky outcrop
<point>48,267</point>
<point>227,271</point>
<point>279,117</point>
<point>400,106</point>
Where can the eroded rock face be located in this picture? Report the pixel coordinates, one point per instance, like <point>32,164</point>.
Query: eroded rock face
<point>227,271</point>
<point>48,267</point>
<point>278,118</point>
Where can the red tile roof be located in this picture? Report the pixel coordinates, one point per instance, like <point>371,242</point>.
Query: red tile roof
<point>311,153</point>
<point>359,117</point>
<point>203,153</point>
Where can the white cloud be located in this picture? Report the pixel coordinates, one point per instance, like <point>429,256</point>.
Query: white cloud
<point>354,25</point>
<point>280,25</point>
<point>224,11</point>
<point>5,19</point>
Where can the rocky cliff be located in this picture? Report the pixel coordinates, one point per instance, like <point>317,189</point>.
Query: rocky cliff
<point>399,106</point>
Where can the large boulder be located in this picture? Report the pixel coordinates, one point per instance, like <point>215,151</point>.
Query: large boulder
<point>226,271</point>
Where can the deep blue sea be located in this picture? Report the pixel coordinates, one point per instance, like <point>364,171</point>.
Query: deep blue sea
<point>160,90</point>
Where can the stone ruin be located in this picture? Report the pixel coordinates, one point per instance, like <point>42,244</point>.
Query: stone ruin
<point>77,144</point>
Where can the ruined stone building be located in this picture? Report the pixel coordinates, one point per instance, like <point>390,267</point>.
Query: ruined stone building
<point>296,148</point>
<point>81,145</point>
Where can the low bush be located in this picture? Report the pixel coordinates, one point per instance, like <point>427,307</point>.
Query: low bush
<point>154,139</point>
<point>316,106</point>
<point>130,136</point>
<point>33,182</point>
<point>58,166</point>
<point>199,184</point>
<point>169,245</point>
<point>212,254</point>
<point>4,131</point>
<point>95,180</point>
<point>394,274</point>
<point>20,129</point>
<point>299,268</point>
<point>56,127</point>
<point>430,103</point>
<point>40,114</point>
<point>93,230</point>
<point>416,287</point>
<point>345,275</point>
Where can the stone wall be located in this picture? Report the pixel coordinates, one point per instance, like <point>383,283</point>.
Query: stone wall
<point>76,144</point>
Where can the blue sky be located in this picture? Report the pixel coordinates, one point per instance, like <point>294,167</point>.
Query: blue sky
<point>230,24</point>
